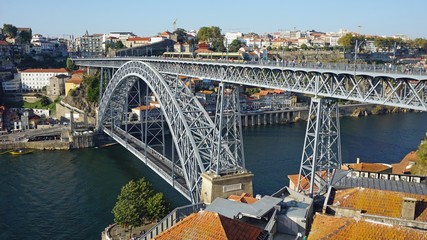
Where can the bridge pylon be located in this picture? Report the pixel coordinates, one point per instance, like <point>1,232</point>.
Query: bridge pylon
<point>227,174</point>
<point>322,147</point>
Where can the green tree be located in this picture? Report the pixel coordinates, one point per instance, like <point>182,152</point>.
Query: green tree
<point>9,30</point>
<point>137,203</point>
<point>45,101</point>
<point>304,46</point>
<point>209,34</point>
<point>156,207</point>
<point>25,36</point>
<point>92,87</point>
<point>234,46</point>
<point>420,167</point>
<point>181,35</point>
<point>70,65</point>
<point>119,45</point>
<point>218,45</point>
<point>345,40</point>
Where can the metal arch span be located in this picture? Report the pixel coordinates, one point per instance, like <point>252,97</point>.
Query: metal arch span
<point>190,126</point>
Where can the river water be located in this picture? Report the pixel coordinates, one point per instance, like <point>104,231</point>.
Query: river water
<point>70,194</point>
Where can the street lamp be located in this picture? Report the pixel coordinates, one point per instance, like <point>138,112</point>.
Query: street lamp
<point>356,48</point>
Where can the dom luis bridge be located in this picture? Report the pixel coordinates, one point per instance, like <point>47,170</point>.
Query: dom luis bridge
<point>207,154</point>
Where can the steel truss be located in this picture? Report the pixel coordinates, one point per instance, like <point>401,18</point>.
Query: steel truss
<point>191,127</point>
<point>398,90</point>
<point>322,147</point>
<point>203,145</point>
<point>228,154</point>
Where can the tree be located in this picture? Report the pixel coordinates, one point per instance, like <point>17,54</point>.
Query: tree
<point>119,45</point>
<point>156,206</point>
<point>304,46</point>
<point>346,40</point>
<point>25,36</point>
<point>234,46</point>
<point>137,203</point>
<point>181,35</point>
<point>209,34</point>
<point>218,45</point>
<point>44,101</point>
<point>70,65</point>
<point>9,30</point>
<point>92,87</point>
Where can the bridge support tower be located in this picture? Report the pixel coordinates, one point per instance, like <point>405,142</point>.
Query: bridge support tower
<point>322,147</point>
<point>227,173</point>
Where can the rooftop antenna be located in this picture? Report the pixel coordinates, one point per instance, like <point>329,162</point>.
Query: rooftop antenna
<point>174,24</point>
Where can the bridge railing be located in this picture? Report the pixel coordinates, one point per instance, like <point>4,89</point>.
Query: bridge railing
<point>401,69</point>
<point>166,176</point>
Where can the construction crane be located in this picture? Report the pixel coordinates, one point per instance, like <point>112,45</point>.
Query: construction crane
<point>174,24</point>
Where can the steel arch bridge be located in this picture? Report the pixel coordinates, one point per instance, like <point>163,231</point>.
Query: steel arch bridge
<point>193,131</point>
<point>198,139</point>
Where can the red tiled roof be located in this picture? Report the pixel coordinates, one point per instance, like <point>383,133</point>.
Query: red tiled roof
<point>75,80</point>
<point>379,202</point>
<point>147,39</point>
<point>368,167</point>
<point>40,70</point>
<point>331,227</point>
<point>399,168</point>
<point>209,225</point>
<point>304,182</point>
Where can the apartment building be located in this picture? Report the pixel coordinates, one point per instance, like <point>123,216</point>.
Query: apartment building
<point>36,79</point>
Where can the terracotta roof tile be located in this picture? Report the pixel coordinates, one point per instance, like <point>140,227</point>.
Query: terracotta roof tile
<point>305,184</point>
<point>369,167</point>
<point>379,202</point>
<point>331,227</point>
<point>46,70</point>
<point>399,168</point>
<point>209,225</point>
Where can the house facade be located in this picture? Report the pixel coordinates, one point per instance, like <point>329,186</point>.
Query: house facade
<point>36,79</point>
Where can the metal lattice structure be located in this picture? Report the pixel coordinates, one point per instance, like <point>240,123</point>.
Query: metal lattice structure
<point>366,85</point>
<point>218,146</point>
<point>191,128</point>
<point>322,147</point>
<point>228,155</point>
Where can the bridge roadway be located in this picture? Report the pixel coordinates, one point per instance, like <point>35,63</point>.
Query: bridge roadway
<point>396,86</point>
<point>153,159</point>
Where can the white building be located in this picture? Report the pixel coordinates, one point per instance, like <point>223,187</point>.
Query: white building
<point>231,36</point>
<point>36,79</point>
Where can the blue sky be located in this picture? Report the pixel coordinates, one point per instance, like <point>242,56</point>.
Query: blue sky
<point>146,18</point>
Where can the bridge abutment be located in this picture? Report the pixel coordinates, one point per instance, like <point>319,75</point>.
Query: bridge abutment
<point>214,186</point>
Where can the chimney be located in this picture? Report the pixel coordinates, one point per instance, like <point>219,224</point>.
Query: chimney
<point>408,208</point>
<point>357,160</point>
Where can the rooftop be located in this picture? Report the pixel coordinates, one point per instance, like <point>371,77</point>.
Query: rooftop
<point>350,228</point>
<point>209,225</point>
<point>344,179</point>
<point>46,70</point>
<point>379,202</point>
<point>368,167</point>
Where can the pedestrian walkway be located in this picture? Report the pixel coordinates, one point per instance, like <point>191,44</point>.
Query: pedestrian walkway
<point>115,232</point>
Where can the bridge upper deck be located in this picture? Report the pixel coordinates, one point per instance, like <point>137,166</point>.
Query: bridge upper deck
<point>372,70</point>
<point>377,84</point>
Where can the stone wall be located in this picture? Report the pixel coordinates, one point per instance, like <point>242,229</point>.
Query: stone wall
<point>40,145</point>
